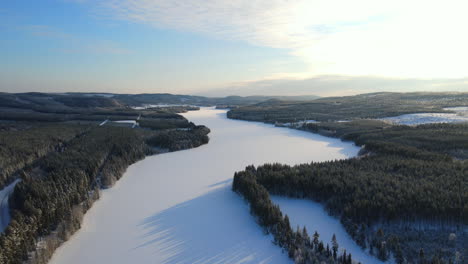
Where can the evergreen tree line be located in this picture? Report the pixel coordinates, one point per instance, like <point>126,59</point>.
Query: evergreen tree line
<point>300,247</point>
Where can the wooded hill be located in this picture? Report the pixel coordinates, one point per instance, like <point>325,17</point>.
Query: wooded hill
<point>405,197</point>
<point>70,102</point>
<point>64,164</point>
<point>407,176</point>
<point>376,105</point>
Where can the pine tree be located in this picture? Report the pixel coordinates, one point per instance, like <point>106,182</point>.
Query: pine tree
<point>334,246</point>
<point>306,237</point>
<point>316,239</point>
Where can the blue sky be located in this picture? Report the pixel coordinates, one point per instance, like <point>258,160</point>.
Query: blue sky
<point>221,47</point>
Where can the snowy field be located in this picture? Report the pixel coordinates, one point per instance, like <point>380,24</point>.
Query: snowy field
<point>179,208</point>
<point>146,106</point>
<point>460,116</point>
<point>126,121</point>
<point>4,209</point>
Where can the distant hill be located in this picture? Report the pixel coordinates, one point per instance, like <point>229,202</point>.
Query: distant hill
<point>373,105</point>
<point>55,101</point>
<point>138,99</point>
<point>67,101</point>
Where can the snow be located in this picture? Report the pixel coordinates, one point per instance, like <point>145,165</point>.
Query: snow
<point>460,116</point>
<point>310,122</point>
<point>178,207</point>
<point>146,106</point>
<point>311,215</point>
<point>125,121</point>
<point>4,209</point>
<point>458,109</point>
<point>297,124</point>
<point>134,123</point>
<point>104,122</point>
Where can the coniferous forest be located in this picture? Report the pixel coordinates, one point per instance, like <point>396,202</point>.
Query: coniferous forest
<point>63,165</point>
<point>405,197</point>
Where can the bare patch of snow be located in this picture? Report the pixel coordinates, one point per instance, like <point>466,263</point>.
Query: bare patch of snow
<point>104,122</point>
<point>125,121</point>
<point>296,124</point>
<point>146,106</point>
<point>460,116</point>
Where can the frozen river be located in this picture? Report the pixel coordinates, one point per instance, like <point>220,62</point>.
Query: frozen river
<point>179,208</point>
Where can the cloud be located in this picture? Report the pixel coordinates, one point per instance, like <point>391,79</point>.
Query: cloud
<point>338,85</point>
<point>75,44</point>
<point>362,37</point>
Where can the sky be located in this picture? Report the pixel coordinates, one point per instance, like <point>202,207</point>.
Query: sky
<point>225,47</point>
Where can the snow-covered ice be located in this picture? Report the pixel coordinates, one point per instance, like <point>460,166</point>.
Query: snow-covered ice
<point>460,116</point>
<point>4,209</point>
<point>311,215</point>
<point>179,208</point>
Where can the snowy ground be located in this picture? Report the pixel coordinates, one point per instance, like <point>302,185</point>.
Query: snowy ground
<point>179,208</point>
<point>134,123</point>
<point>146,106</point>
<point>4,209</point>
<point>126,121</point>
<point>311,215</point>
<point>460,116</point>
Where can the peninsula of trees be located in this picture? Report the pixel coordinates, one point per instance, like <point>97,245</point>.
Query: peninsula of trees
<point>64,152</point>
<point>405,197</point>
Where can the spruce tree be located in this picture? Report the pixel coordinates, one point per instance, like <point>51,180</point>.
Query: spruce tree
<point>334,246</point>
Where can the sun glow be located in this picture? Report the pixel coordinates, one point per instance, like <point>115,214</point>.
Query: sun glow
<point>415,40</point>
<point>405,39</point>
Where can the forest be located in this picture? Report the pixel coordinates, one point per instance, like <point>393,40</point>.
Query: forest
<point>300,246</point>
<point>375,105</point>
<point>71,102</point>
<point>64,162</point>
<point>405,179</point>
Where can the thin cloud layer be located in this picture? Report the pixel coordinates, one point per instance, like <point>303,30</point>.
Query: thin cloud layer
<point>364,37</point>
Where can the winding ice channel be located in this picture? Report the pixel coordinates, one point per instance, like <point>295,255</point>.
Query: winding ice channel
<point>179,208</point>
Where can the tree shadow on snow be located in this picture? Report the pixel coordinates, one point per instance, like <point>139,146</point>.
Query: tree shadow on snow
<point>213,228</point>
